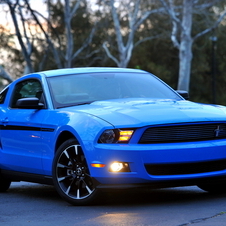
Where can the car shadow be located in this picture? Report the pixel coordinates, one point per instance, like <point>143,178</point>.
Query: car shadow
<point>31,191</point>
<point>158,196</point>
<point>122,197</point>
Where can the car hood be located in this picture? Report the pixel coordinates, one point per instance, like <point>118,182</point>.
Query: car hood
<point>141,112</point>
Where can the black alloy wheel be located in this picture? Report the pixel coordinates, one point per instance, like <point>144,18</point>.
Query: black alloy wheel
<point>71,175</point>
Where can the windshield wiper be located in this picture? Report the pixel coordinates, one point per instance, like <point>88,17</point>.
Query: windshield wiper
<point>75,104</point>
<point>83,103</point>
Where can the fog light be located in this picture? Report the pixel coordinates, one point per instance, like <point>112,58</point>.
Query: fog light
<point>119,167</point>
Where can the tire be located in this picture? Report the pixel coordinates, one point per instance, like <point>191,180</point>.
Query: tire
<point>214,187</point>
<point>71,175</point>
<point>4,184</point>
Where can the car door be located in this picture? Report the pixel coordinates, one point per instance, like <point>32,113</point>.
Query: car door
<point>21,130</point>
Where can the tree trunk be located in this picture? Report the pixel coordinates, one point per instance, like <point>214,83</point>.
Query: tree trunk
<point>185,57</point>
<point>185,50</point>
<point>27,57</point>
<point>69,37</point>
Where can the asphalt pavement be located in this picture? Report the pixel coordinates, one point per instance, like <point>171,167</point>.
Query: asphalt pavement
<point>28,204</point>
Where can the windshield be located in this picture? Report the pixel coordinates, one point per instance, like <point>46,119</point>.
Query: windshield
<point>69,90</point>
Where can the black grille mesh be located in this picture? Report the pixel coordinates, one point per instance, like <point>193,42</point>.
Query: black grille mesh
<point>183,133</point>
<point>185,168</point>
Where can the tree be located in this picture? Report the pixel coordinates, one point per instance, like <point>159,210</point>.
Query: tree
<point>181,35</point>
<point>23,39</point>
<point>5,75</point>
<point>5,40</point>
<point>71,54</point>
<point>131,13</point>
<point>61,47</point>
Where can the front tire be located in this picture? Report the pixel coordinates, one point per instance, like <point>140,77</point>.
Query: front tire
<point>71,175</point>
<point>214,187</point>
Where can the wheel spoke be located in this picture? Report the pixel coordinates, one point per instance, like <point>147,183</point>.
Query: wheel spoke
<point>88,189</point>
<point>69,188</point>
<point>59,165</point>
<point>63,178</point>
<point>76,149</point>
<point>66,153</point>
<point>78,193</point>
<point>81,192</point>
<point>72,153</point>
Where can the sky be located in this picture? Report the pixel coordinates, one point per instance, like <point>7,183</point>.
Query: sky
<point>5,18</point>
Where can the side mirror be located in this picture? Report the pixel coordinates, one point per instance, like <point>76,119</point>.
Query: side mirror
<point>184,94</point>
<point>29,103</point>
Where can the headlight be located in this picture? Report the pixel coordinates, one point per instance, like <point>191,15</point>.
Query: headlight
<point>116,136</point>
<point>108,136</point>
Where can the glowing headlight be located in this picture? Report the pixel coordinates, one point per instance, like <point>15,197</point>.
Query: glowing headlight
<point>125,135</point>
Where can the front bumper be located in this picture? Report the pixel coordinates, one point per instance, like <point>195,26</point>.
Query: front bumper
<point>139,156</point>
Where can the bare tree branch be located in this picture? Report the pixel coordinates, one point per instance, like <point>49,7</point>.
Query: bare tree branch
<point>221,17</point>
<point>206,5</point>
<point>54,50</point>
<point>75,8</point>
<point>86,43</point>
<point>146,39</point>
<point>117,27</point>
<point>170,8</point>
<point>50,26</point>
<point>125,44</point>
<point>109,53</point>
<point>5,75</point>
<point>71,54</point>
<point>146,14</point>
<point>12,8</point>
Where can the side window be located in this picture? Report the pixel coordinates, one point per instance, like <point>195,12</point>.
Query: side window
<point>3,96</point>
<point>26,89</point>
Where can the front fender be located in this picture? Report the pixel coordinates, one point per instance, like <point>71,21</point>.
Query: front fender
<point>84,127</point>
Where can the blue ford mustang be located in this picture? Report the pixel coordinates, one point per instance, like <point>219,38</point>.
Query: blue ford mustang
<point>87,129</point>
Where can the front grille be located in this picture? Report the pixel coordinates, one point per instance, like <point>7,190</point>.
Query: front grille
<point>183,133</point>
<point>185,168</point>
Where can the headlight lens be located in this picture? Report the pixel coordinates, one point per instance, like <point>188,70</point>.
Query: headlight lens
<point>108,136</point>
<point>116,136</point>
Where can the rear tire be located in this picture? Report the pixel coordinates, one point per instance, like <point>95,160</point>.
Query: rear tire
<point>4,184</point>
<point>71,176</point>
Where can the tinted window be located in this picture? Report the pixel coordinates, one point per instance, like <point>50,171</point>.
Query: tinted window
<point>70,90</point>
<point>26,89</point>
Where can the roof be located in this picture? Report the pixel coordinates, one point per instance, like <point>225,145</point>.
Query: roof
<point>88,70</point>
